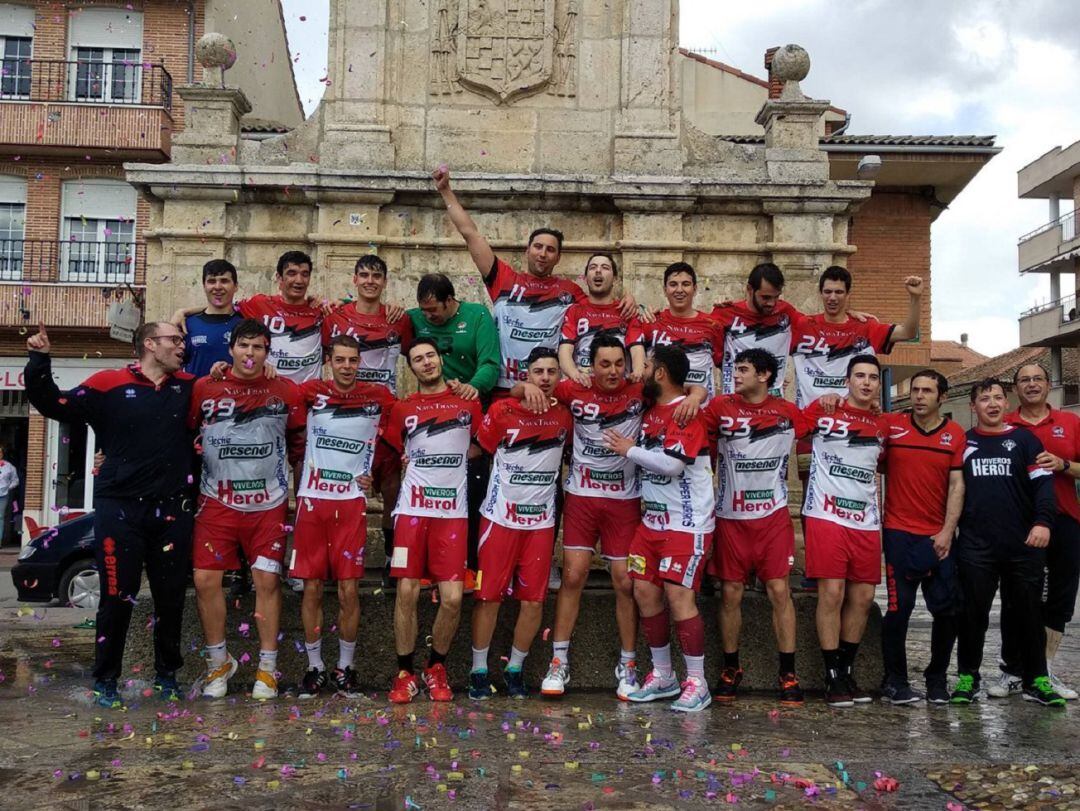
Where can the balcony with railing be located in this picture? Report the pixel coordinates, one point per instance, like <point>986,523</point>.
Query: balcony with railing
<point>68,283</point>
<point>1052,247</point>
<point>1055,323</point>
<point>55,107</point>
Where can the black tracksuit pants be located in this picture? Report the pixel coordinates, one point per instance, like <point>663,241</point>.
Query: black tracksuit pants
<point>1021,580</point>
<point>130,534</point>
<point>1062,580</point>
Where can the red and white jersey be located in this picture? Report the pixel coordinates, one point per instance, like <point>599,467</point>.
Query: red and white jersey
<point>381,343</point>
<point>584,319</point>
<point>251,429</point>
<point>594,470</point>
<point>528,450</point>
<point>434,432</point>
<point>822,351</point>
<point>295,335</point>
<point>699,337</point>
<point>1059,432</point>
<point>684,503</point>
<point>529,312</point>
<point>754,441</point>
<point>917,467</point>
<point>847,446</point>
<point>745,328</point>
<point>342,429</point>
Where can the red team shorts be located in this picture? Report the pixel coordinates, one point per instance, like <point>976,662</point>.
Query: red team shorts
<point>427,547</point>
<point>613,520</point>
<point>677,557</point>
<point>329,538</point>
<point>221,530</point>
<point>513,561</point>
<point>385,466</point>
<point>835,552</point>
<point>765,546</point>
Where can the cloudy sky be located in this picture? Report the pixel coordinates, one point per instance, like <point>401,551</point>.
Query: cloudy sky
<point>920,67</point>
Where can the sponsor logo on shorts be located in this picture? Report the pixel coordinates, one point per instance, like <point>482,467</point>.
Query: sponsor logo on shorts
<point>527,334</point>
<point>245,451</point>
<point>536,478</point>
<point>340,443</point>
<point>757,465</point>
<point>858,474</point>
<point>439,460</point>
<point>636,564</point>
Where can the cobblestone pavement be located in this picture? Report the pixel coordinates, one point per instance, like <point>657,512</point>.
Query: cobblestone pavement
<point>585,751</point>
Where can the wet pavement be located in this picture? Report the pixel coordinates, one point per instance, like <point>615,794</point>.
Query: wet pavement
<point>584,751</point>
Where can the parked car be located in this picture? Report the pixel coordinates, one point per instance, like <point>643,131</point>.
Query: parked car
<point>58,563</point>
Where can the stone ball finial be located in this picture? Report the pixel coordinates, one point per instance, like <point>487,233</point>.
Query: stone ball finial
<point>791,63</point>
<point>215,50</point>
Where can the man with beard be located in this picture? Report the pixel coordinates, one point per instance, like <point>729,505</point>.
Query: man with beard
<point>601,312</point>
<point>668,553</point>
<point>142,510</point>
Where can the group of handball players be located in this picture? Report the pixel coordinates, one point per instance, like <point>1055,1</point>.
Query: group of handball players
<point>568,404</point>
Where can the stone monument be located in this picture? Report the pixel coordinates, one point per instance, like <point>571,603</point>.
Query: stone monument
<point>560,112</point>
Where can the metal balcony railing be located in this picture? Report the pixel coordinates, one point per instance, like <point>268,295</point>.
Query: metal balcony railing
<point>1067,304</point>
<point>85,82</point>
<point>65,262</point>
<point>1067,222</point>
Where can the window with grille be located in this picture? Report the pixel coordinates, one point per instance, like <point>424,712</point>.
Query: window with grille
<point>108,75</point>
<point>15,67</point>
<point>12,226</point>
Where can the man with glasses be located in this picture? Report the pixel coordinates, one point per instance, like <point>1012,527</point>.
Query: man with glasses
<point>1059,432</point>
<point>142,511</point>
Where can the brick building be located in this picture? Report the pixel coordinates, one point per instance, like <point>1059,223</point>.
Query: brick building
<point>84,87</point>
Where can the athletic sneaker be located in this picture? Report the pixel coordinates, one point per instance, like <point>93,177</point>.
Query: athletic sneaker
<point>966,690</point>
<point>1006,685</point>
<point>1060,687</point>
<point>558,676</point>
<point>106,695</point>
<point>937,693</point>
<point>837,693</point>
<point>729,684</point>
<point>655,688</point>
<point>436,683</point>
<point>479,685</point>
<point>216,681</point>
<point>167,688</point>
<point>1043,693</point>
<point>404,689</point>
<point>790,691</point>
<point>346,682</point>
<point>627,678</point>
<point>265,686</point>
<point>313,683</point>
<point>858,695</point>
<point>554,577</point>
<point>515,684</point>
<point>900,694</point>
<point>695,696</point>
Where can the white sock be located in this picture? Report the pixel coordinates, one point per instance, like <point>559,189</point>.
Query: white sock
<point>517,658</point>
<point>661,661</point>
<point>561,651</point>
<point>346,653</point>
<point>314,654</point>
<point>480,659</point>
<point>627,656</point>
<point>217,653</point>
<point>268,660</point>
<point>695,667</point>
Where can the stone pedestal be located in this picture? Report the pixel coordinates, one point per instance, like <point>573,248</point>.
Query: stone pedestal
<point>212,131</point>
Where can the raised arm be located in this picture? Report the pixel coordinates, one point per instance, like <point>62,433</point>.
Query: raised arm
<point>41,389</point>
<point>909,330</point>
<point>482,255</point>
